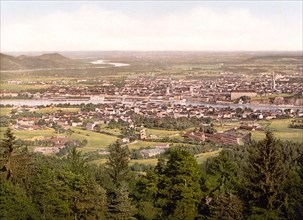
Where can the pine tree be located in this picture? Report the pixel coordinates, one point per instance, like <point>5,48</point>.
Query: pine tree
<point>179,186</point>
<point>7,149</point>
<point>223,184</point>
<point>15,203</point>
<point>145,194</point>
<point>119,205</point>
<point>265,178</point>
<point>14,159</point>
<point>76,162</point>
<point>117,166</point>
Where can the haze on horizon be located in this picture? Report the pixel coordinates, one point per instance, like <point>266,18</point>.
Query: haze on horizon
<point>146,25</point>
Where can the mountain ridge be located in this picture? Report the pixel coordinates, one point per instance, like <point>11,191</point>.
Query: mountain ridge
<point>48,60</point>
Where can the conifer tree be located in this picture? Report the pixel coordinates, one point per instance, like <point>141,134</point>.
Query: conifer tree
<point>223,184</point>
<point>179,186</point>
<point>265,178</point>
<point>7,149</point>
<point>119,205</point>
<point>117,166</point>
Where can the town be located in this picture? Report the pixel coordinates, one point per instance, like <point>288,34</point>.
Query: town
<point>266,89</point>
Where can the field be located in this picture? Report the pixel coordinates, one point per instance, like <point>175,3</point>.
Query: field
<point>54,109</point>
<point>226,125</point>
<point>162,133</point>
<point>114,131</point>
<point>280,130</point>
<point>20,87</point>
<point>152,161</point>
<point>201,158</point>
<point>5,111</point>
<point>35,134</point>
<point>279,127</point>
<point>95,140</point>
<point>139,144</point>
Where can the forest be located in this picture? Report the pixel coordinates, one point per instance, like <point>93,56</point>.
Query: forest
<point>260,180</point>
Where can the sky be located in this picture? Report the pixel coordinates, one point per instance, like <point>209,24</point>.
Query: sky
<point>151,25</point>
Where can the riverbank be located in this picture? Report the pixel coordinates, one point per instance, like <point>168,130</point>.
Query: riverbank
<point>47,102</point>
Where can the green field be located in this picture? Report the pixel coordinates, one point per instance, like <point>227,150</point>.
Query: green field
<point>17,88</point>
<point>152,161</point>
<point>114,131</point>
<point>162,133</point>
<point>280,129</point>
<point>54,109</point>
<point>226,125</point>
<point>201,158</point>
<point>35,134</point>
<point>143,144</point>
<point>5,111</point>
<point>95,140</point>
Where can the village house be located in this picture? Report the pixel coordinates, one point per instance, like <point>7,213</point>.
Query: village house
<point>146,153</point>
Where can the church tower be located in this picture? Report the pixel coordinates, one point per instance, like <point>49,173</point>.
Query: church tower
<point>273,83</point>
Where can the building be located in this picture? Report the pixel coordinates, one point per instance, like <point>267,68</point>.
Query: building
<point>143,134</point>
<point>235,94</point>
<point>151,152</point>
<point>273,83</point>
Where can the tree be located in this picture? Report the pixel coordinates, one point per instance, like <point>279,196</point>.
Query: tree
<point>179,192</point>
<point>265,178</point>
<point>61,190</point>
<point>223,184</point>
<point>119,205</point>
<point>7,148</point>
<point>117,166</point>
<point>76,162</point>
<point>145,194</point>
<point>14,203</point>
<point>14,159</point>
<point>227,206</point>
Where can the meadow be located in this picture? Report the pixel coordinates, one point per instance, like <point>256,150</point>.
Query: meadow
<point>280,129</point>
<point>96,141</point>
<point>22,87</point>
<point>5,111</point>
<point>50,110</point>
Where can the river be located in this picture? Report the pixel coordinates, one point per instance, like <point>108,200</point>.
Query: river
<point>108,62</point>
<point>70,68</point>
<point>34,102</point>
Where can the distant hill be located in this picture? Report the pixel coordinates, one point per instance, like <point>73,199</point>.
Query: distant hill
<point>52,60</point>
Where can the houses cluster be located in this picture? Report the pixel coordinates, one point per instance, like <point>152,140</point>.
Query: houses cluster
<point>160,148</point>
<point>106,112</point>
<point>58,143</point>
<point>230,137</point>
<point>227,88</point>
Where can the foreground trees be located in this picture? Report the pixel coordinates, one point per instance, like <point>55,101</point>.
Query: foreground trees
<point>270,177</point>
<point>263,180</point>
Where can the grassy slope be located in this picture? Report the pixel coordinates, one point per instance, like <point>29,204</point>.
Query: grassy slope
<point>281,131</point>
<point>5,111</point>
<point>95,140</point>
<point>17,88</point>
<point>162,133</point>
<point>201,158</point>
<point>54,109</point>
<point>278,126</point>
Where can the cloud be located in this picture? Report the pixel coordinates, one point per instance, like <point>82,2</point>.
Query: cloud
<point>92,28</point>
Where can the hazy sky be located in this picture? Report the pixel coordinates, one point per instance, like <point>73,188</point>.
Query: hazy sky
<point>150,25</point>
